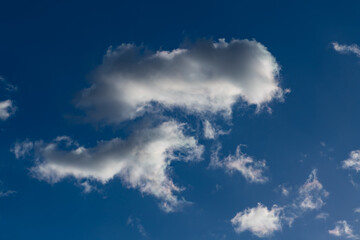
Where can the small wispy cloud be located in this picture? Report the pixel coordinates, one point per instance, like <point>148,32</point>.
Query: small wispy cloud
<point>6,193</point>
<point>7,86</point>
<point>285,191</point>
<point>136,223</point>
<point>7,109</point>
<point>357,210</point>
<point>346,49</point>
<point>7,106</point>
<point>353,162</point>
<point>322,216</point>
<point>343,229</point>
<point>312,193</point>
<point>252,170</point>
<point>22,149</point>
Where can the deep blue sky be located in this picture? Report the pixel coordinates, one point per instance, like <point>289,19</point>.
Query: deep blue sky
<point>48,49</point>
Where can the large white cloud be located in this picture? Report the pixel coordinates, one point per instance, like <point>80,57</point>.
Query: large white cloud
<point>142,161</point>
<point>208,77</point>
<point>260,220</point>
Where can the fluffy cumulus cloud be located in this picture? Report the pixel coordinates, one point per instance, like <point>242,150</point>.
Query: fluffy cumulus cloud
<point>252,170</point>
<point>207,77</point>
<point>343,229</point>
<point>353,162</point>
<point>7,108</point>
<point>312,193</point>
<point>259,220</point>
<point>142,161</point>
<point>346,49</point>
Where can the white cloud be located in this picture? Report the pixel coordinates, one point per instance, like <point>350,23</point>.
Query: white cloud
<point>8,86</point>
<point>142,161</point>
<point>311,194</point>
<point>7,108</point>
<point>322,216</point>
<point>263,222</point>
<point>208,77</point>
<point>136,223</point>
<point>6,193</point>
<point>357,210</point>
<point>353,162</point>
<point>252,170</point>
<point>22,149</point>
<point>209,130</point>
<point>346,49</point>
<point>87,187</point>
<point>343,229</point>
<point>259,220</point>
<point>284,190</point>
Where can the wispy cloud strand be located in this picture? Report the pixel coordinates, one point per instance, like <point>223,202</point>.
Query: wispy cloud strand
<point>346,49</point>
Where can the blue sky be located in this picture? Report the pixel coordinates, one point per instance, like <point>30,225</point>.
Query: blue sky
<point>179,120</point>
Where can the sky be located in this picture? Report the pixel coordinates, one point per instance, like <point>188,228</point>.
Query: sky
<point>179,120</point>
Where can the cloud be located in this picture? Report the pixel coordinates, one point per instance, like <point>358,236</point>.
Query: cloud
<point>285,191</point>
<point>207,77</point>
<point>7,86</point>
<point>322,216</point>
<point>88,188</point>
<point>209,130</point>
<point>259,220</point>
<point>263,222</point>
<point>252,170</point>
<point>212,131</point>
<point>343,229</point>
<point>7,108</point>
<point>346,49</point>
<point>21,149</point>
<point>142,161</point>
<point>136,223</point>
<point>311,194</point>
<point>353,162</point>
<point>6,193</point>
